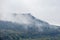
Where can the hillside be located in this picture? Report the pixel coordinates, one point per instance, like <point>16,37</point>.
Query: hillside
<point>26,26</point>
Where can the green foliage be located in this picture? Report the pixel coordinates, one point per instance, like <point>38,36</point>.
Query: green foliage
<point>14,35</point>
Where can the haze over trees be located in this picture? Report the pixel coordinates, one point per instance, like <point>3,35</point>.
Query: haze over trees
<point>27,27</point>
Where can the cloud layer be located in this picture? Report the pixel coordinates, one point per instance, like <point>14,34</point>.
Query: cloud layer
<point>47,10</point>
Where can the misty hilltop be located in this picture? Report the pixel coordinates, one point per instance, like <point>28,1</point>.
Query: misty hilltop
<point>26,26</point>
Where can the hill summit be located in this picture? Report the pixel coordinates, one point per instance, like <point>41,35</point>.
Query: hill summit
<point>26,26</point>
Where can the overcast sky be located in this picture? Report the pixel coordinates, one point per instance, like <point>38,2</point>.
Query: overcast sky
<point>47,10</point>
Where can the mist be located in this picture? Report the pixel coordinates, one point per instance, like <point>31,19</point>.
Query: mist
<point>47,10</point>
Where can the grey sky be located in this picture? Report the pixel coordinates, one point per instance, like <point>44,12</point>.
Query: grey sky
<point>47,10</point>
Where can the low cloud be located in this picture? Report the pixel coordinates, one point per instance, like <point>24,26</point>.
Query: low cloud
<point>47,10</point>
